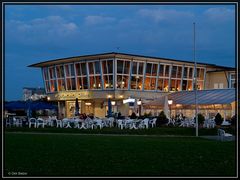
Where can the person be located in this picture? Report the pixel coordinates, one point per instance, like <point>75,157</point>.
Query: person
<point>119,115</point>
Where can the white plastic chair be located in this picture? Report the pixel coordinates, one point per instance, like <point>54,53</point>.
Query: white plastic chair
<point>32,121</point>
<point>153,122</point>
<point>40,122</point>
<point>223,135</point>
<point>120,124</point>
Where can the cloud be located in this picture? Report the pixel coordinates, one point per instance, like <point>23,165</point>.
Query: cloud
<point>51,25</point>
<point>221,14</point>
<point>158,15</point>
<point>94,20</point>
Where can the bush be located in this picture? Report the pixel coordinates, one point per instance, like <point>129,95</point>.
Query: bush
<point>133,116</point>
<point>201,119</point>
<point>161,119</point>
<point>218,119</point>
<point>233,120</point>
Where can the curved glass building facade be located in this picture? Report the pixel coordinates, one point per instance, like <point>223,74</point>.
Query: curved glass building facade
<point>95,78</point>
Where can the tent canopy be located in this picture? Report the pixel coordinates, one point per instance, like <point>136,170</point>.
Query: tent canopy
<point>204,97</point>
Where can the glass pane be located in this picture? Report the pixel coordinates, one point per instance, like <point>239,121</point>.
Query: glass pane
<point>153,83</point>
<point>202,74</point>
<point>104,67</point>
<point>91,70</point>
<point>119,81</point>
<point>52,73</point>
<point>85,83</point>
<point>174,71</point>
<point>147,84</point>
<point>148,69</point>
<point>189,86</point>
<point>83,69</point>
<point>161,70</point>
<point>110,82</point>
<point>47,87</point>
<point>134,67</point>
<point>166,87</point>
<point>139,83</point>
<point>73,83</point>
<point>160,84</point>
<point>98,82</point>
<point>154,70</point>
<point>61,85</point>
<point>72,70</point>
<point>125,82</point>
<point>140,68</point>
<point>78,72</point>
<point>92,82</point>
<point>67,71</point>
<point>133,84</point>
<point>173,85</point>
<point>126,67</point>
<point>110,66</point>
<point>45,71</point>
<point>97,67</point>
<point>167,67</point>
<point>185,73</point>
<point>190,73</point>
<point>105,82</point>
<point>184,85</point>
<point>119,66</point>
<point>179,73</point>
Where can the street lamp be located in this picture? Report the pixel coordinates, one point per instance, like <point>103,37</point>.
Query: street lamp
<point>170,103</point>
<point>139,103</point>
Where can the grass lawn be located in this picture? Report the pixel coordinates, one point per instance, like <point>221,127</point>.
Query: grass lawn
<point>105,155</point>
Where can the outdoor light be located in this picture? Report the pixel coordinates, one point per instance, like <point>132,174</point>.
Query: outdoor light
<point>139,102</point>
<point>170,102</point>
<point>121,96</point>
<point>88,103</point>
<point>48,98</point>
<point>113,103</point>
<point>109,96</point>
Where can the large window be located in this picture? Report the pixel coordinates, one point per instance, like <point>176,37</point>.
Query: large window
<point>163,79</point>
<point>46,78</point>
<point>107,68</point>
<point>187,83</point>
<point>137,75</point>
<point>95,75</point>
<point>70,77</point>
<point>232,80</point>
<point>52,79</point>
<point>60,78</point>
<point>151,76</point>
<point>176,77</point>
<point>123,70</point>
<point>200,78</point>
<point>81,73</point>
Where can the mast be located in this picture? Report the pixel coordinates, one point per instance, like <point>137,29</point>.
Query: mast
<point>195,79</point>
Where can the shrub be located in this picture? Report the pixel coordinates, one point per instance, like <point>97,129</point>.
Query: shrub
<point>161,119</point>
<point>201,118</point>
<point>133,116</point>
<point>218,119</point>
<point>233,120</point>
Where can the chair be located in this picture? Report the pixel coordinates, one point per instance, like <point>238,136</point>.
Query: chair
<point>153,122</point>
<point>32,121</point>
<point>40,122</point>
<point>120,123</point>
<point>97,123</point>
<point>222,135</point>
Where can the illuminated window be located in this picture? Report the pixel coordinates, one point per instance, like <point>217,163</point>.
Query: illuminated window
<point>107,67</point>
<point>70,77</point>
<point>151,74</point>
<point>232,80</point>
<point>52,79</point>
<point>123,71</point>
<point>95,75</point>
<point>81,72</point>
<point>163,79</point>
<point>137,75</point>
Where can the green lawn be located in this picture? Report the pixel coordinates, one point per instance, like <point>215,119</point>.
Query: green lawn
<point>151,131</point>
<point>104,155</point>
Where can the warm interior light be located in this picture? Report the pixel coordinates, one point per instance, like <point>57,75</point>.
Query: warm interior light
<point>109,96</point>
<point>121,96</point>
<point>113,103</point>
<point>139,102</point>
<point>170,102</point>
<point>48,98</point>
<point>88,103</point>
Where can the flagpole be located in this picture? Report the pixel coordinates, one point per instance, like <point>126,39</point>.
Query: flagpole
<point>195,79</point>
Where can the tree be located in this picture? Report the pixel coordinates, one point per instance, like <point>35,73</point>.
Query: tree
<point>218,119</point>
<point>161,119</point>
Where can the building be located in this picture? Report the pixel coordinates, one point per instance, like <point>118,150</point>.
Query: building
<point>33,93</point>
<point>95,78</point>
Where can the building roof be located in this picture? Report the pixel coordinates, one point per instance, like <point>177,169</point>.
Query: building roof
<point>204,97</point>
<point>111,55</point>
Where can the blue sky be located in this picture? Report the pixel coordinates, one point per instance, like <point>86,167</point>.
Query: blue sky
<point>35,33</point>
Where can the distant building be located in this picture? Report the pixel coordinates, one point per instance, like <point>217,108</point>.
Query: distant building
<point>33,93</point>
